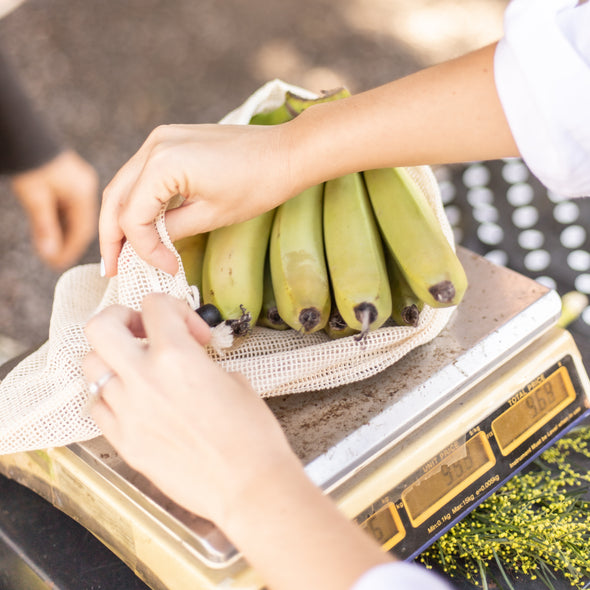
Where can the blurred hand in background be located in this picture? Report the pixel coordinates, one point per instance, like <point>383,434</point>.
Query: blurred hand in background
<point>61,202</point>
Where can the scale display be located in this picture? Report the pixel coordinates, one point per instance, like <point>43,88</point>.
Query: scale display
<point>533,410</point>
<point>462,474</point>
<point>385,526</point>
<point>452,475</point>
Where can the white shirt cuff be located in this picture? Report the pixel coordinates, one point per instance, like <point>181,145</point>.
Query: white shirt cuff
<point>542,73</point>
<point>401,576</point>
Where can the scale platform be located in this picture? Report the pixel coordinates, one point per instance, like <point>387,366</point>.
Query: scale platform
<point>406,453</point>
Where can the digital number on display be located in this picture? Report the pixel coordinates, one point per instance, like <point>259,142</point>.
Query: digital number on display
<point>453,474</point>
<point>533,410</point>
<point>385,526</point>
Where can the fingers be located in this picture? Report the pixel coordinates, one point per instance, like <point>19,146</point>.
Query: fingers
<point>165,321</point>
<point>45,226</point>
<point>79,229</point>
<point>78,205</point>
<point>170,322</point>
<point>194,217</point>
<point>60,198</point>
<point>110,234</point>
<point>113,335</point>
<point>133,200</point>
<point>114,332</point>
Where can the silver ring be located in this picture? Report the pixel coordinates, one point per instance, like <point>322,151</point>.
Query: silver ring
<point>97,386</point>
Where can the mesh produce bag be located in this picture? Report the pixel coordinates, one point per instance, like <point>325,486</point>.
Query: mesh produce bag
<point>43,400</point>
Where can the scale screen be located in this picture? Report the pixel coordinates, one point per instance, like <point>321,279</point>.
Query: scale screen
<point>461,474</point>
<point>533,410</point>
<point>452,475</point>
<point>385,526</point>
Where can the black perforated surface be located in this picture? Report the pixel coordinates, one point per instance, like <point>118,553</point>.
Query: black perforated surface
<point>500,210</point>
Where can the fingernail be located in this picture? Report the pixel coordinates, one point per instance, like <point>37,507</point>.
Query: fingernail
<point>103,270</point>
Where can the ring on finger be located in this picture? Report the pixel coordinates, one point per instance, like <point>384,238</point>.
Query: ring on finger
<point>95,388</point>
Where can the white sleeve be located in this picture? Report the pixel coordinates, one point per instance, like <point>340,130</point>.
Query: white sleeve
<point>542,73</point>
<point>400,575</point>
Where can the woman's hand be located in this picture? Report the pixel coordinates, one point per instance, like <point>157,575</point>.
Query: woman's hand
<point>225,173</point>
<point>209,442</point>
<point>198,432</point>
<point>61,201</point>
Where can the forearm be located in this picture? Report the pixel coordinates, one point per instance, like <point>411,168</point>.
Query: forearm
<point>443,114</point>
<point>296,537</point>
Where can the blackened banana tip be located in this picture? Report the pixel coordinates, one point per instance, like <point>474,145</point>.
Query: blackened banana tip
<point>411,315</point>
<point>309,318</point>
<point>443,292</point>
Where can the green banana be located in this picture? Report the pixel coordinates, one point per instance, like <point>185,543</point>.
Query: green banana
<point>414,237</point>
<point>192,251</point>
<point>295,105</point>
<point>297,262</point>
<point>355,255</point>
<point>275,117</point>
<point>406,307</point>
<point>269,315</point>
<point>233,269</point>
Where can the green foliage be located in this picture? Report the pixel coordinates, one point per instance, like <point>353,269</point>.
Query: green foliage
<point>537,525</point>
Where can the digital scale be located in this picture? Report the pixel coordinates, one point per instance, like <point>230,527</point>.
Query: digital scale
<point>406,453</point>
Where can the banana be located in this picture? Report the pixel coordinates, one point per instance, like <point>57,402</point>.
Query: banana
<point>406,307</point>
<point>269,315</point>
<point>192,251</point>
<point>414,237</point>
<point>355,255</point>
<point>233,269</point>
<point>294,105</point>
<point>281,114</point>
<point>297,262</point>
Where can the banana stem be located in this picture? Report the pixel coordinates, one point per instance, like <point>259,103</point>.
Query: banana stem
<point>243,325</point>
<point>366,314</point>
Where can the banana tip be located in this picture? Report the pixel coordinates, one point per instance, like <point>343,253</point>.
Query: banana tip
<point>443,292</point>
<point>309,318</point>
<point>410,315</point>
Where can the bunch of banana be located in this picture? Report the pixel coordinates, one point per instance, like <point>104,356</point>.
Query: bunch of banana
<point>269,314</point>
<point>406,307</point>
<point>233,264</point>
<point>336,326</point>
<point>344,256</point>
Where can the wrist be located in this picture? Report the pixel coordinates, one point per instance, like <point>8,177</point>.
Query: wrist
<point>324,142</point>
<point>301,137</point>
<point>259,491</point>
<point>295,536</point>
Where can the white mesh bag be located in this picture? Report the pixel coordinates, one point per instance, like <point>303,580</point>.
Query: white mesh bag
<point>43,399</point>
